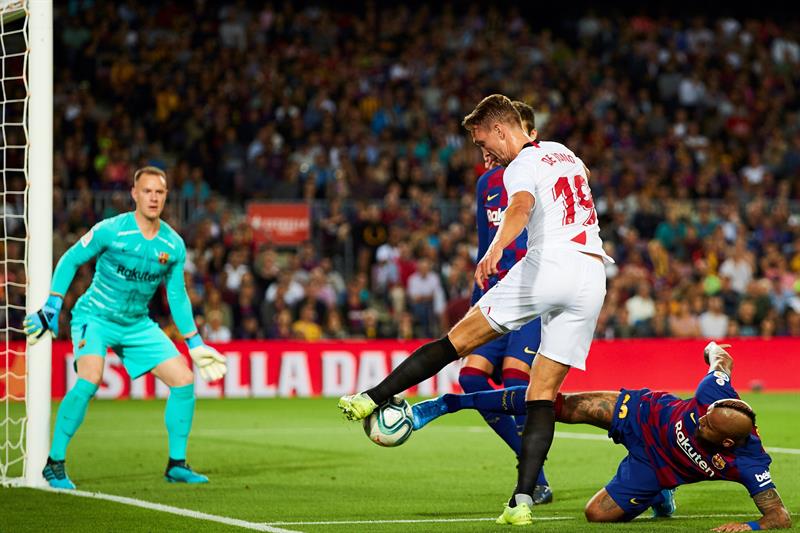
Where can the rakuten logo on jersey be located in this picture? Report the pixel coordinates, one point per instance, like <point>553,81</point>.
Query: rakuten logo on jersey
<point>131,274</point>
<point>494,216</point>
<point>686,447</point>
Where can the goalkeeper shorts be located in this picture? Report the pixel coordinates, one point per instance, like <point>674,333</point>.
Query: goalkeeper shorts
<point>141,346</point>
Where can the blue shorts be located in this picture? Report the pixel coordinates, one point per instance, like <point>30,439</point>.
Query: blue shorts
<point>635,486</point>
<point>521,344</point>
<point>141,346</point>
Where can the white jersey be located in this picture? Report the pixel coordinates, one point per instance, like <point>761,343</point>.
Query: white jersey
<point>563,215</point>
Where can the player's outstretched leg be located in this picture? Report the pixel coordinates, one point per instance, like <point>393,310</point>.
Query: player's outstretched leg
<point>424,363</point>
<point>357,406</point>
<point>474,379</point>
<point>178,418</point>
<point>70,415</point>
<point>666,507</point>
<point>502,401</point>
<point>423,413</point>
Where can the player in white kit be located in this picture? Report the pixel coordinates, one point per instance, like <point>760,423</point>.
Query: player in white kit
<point>561,278</point>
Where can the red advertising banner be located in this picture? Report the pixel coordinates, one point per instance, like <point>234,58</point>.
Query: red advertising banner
<point>264,369</point>
<point>279,223</point>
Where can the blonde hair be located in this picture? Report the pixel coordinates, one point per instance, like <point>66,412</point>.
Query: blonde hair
<point>496,107</point>
<point>149,170</point>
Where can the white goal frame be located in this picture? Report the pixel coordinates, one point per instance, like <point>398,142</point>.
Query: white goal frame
<point>40,232</point>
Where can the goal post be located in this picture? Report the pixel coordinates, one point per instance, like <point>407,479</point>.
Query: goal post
<point>26,234</point>
<point>40,230</point>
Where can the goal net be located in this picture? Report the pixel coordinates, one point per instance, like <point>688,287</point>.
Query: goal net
<point>25,233</point>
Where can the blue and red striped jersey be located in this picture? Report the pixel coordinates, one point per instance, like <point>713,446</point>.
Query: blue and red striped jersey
<point>668,426</point>
<point>491,203</point>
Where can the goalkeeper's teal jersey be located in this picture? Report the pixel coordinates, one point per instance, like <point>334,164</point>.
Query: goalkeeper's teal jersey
<point>128,271</point>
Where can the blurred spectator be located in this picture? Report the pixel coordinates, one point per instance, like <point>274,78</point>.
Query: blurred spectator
<point>405,327</point>
<point>748,326</point>
<point>641,307</point>
<point>215,330</point>
<point>281,327</point>
<point>215,303</point>
<point>426,297</point>
<point>713,322</point>
<point>738,267</point>
<point>306,327</point>
<point>334,327</point>
<point>683,323</point>
<point>235,268</point>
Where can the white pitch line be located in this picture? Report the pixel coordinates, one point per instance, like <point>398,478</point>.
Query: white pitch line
<point>255,526</point>
<point>536,518</point>
<point>791,451</point>
<point>407,521</point>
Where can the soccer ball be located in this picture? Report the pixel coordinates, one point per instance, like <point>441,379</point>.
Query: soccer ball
<point>390,424</point>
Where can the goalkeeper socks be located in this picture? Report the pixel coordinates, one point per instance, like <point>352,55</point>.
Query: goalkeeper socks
<point>536,440</point>
<point>425,362</point>
<point>178,418</point>
<point>474,380</point>
<point>70,416</point>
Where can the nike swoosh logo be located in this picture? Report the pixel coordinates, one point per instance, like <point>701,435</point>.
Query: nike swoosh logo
<point>529,352</point>
<point>634,502</point>
<point>492,197</point>
<point>691,415</point>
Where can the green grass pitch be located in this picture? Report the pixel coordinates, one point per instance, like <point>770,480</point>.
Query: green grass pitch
<point>298,461</point>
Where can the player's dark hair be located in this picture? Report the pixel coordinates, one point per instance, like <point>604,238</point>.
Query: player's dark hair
<point>738,405</point>
<point>526,114</point>
<point>149,170</point>
<point>496,107</point>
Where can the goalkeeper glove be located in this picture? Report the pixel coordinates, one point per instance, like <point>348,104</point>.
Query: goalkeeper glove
<point>210,362</point>
<point>45,319</point>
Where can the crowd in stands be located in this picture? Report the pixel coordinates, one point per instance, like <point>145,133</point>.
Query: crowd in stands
<point>691,129</point>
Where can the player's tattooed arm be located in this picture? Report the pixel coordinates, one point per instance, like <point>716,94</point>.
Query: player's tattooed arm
<point>775,515</point>
<point>595,408</point>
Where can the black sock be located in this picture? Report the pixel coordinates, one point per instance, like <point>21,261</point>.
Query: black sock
<point>175,462</point>
<point>537,437</point>
<point>425,362</point>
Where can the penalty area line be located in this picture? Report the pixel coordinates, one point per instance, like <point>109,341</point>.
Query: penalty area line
<point>235,522</point>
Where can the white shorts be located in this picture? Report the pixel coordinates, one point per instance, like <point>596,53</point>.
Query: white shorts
<point>565,287</point>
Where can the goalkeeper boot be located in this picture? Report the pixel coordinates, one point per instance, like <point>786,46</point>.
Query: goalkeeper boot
<point>542,494</point>
<point>667,507</point>
<point>181,472</point>
<point>423,413</point>
<point>357,406</point>
<point>519,515</point>
<point>55,472</point>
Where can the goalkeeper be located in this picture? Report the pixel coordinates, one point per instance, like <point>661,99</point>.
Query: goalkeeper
<point>135,252</point>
